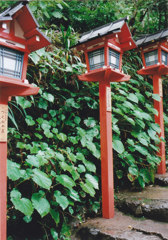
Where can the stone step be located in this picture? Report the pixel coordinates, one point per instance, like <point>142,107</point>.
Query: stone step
<point>161,179</point>
<point>121,227</point>
<point>151,203</point>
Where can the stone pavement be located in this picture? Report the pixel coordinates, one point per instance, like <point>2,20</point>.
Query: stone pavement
<point>151,203</point>
<point>149,220</point>
<point>161,180</point>
<point>122,227</point>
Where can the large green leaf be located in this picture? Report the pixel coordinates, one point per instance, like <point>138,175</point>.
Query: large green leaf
<point>61,200</point>
<point>146,116</point>
<point>77,120</point>
<point>130,142</point>
<point>128,105</point>
<point>71,102</point>
<point>62,137</point>
<point>74,140</point>
<point>74,195</point>
<point>81,168</point>
<point>144,173</point>
<point>81,132</point>
<point>92,147</point>
<point>138,114</point>
<point>57,14</point>
<point>133,97</point>
<point>80,156</point>
<point>48,134</point>
<point>90,122</point>
<point>88,188</point>
<point>41,179</point>
<point>142,150</point>
<point>118,146</point>
<point>140,123</point>
<point>133,171</point>
<point>152,134</point>
<point>55,215</point>
<point>90,166</point>
<point>66,181</point>
<point>141,181</point>
<point>13,170</point>
<point>65,166</point>
<point>42,103</point>
<point>130,120</point>
<point>24,103</point>
<point>54,234</point>
<point>93,180</point>
<point>29,120</point>
<point>143,141</point>
<point>140,97</point>
<point>156,127</point>
<point>24,205</point>
<point>40,203</point>
<point>32,160</point>
<point>48,96</point>
<point>34,57</point>
<point>59,156</point>
<point>130,159</point>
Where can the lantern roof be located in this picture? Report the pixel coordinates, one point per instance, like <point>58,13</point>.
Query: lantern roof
<point>119,27</point>
<point>12,10</point>
<point>28,24</point>
<point>150,38</point>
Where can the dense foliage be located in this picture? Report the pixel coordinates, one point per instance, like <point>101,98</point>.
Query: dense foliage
<point>54,141</point>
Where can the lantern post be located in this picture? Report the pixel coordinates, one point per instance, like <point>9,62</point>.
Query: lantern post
<point>19,36</point>
<point>154,52</point>
<point>103,48</point>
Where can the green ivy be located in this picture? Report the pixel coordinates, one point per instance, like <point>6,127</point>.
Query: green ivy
<point>54,138</point>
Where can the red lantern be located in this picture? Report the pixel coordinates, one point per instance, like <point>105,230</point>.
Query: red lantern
<point>19,36</point>
<point>103,48</point>
<point>154,52</point>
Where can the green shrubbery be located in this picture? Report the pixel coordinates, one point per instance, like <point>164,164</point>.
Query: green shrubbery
<point>54,137</point>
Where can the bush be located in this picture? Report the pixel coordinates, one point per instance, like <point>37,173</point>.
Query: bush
<point>54,142</point>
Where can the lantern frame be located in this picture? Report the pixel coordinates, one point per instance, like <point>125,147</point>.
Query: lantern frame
<point>154,42</point>
<point>159,47</point>
<point>113,36</point>
<point>11,62</point>
<point>106,45</point>
<point>19,31</point>
<point>117,37</point>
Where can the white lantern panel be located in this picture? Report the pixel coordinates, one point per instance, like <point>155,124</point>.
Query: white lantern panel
<point>96,59</point>
<point>114,58</point>
<point>151,58</point>
<point>11,62</point>
<point>164,57</point>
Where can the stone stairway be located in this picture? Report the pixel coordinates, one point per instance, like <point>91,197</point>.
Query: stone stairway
<point>151,203</point>
<point>138,216</point>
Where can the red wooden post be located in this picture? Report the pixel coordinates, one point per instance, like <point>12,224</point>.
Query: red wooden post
<point>106,150</point>
<point>17,41</point>
<point>20,89</point>
<point>103,48</point>
<point>157,89</point>
<point>3,165</point>
<point>154,52</point>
